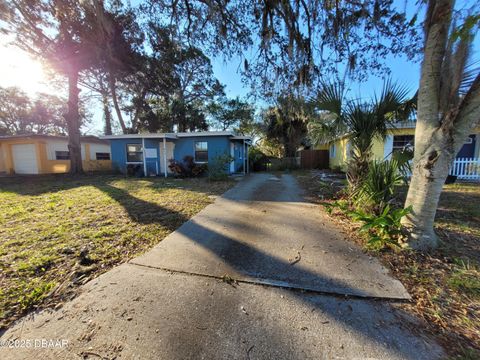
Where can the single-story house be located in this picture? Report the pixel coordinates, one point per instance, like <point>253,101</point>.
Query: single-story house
<point>151,152</point>
<point>399,136</point>
<point>47,154</point>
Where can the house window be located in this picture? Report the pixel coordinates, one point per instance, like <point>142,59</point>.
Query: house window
<point>401,142</point>
<point>62,155</point>
<point>201,151</point>
<point>332,151</point>
<point>102,156</point>
<point>134,153</point>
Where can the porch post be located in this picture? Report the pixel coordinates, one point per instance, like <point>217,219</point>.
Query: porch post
<point>244,166</point>
<point>248,160</point>
<point>144,158</point>
<point>165,155</point>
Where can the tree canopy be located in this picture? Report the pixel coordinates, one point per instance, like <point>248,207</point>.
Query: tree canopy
<point>23,115</point>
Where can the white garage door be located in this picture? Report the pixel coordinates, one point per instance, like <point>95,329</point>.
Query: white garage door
<point>24,159</point>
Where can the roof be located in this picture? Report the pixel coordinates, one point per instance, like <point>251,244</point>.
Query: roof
<point>84,139</point>
<point>230,134</point>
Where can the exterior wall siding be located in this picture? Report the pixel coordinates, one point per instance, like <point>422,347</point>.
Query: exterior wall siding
<point>178,149</point>
<point>119,153</point>
<point>46,162</point>
<point>338,160</point>
<point>217,146</point>
<point>3,167</point>
<point>380,147</point>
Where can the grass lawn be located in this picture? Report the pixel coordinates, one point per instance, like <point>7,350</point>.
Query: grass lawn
<point>445,284</point>
<point>57,232</point>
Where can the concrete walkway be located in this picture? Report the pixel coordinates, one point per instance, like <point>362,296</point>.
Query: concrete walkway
<point>178,300</point>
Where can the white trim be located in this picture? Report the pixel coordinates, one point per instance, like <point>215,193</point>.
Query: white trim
<point>144,158</point>
<point>165,156</point>
<point>177,135</point>
<point>205,133</point>
<point>195,152</point>
<point>139,136</point>
<point>248,160</point>
<point>388,147</point>
<point>332,150</point>
<point>244,166</point>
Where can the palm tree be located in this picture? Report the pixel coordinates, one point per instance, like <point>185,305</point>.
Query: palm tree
<point>362,122</point>
<point>286,122</point>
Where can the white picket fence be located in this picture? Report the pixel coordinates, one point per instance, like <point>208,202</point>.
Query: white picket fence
<point>462,168</point>
<point>466,168</point>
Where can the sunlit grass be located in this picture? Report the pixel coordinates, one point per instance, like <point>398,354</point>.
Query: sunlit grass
<point>48,221</point>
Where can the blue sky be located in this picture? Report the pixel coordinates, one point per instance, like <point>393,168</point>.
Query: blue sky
<point>403,71</point>
<point>19,70</point>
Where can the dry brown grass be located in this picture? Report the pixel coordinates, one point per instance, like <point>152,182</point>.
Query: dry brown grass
<point>444,284</point>
<point>57,232</point>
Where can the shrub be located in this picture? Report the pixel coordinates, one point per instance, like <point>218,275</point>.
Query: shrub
<point>384,229</point>
<point>257,160</point>
<point>187,168</point>
<point>377,190</point>
<point>218,167</point>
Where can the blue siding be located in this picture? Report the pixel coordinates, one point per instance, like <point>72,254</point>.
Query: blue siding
<point>217,145</point>
<point>119,153</point>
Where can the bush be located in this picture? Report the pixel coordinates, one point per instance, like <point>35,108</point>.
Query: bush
<point>384,229</point>
<point>187,167</point>
<point>257,160</point>
<point>377,190</point>
<point>218,167</point>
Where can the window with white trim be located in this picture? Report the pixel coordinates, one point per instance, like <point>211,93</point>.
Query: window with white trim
<point>134,153</point>
<point>201,151</point>
<point>402,142</point>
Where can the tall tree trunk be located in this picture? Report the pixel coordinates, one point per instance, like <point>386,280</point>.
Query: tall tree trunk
<point>111,82</point>
<point>72,119</point>
<point>439,134</point>
<point>107,114</point>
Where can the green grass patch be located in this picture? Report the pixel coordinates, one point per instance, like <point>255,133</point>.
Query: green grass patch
<point>47,222</point>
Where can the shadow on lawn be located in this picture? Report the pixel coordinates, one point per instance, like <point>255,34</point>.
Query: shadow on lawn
<point>358,316</point>
<point>142,211</point>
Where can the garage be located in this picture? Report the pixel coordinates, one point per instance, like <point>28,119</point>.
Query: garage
<point>24,159</point>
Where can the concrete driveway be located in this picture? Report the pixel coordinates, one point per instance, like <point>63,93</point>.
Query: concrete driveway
<point>231,284</point>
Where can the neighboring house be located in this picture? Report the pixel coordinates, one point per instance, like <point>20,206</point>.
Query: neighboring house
<point>46,154</point>
<point>151,152</point>
<point>399,136</point>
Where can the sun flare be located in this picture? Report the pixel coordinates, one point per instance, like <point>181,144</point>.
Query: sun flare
<point>17,68</point>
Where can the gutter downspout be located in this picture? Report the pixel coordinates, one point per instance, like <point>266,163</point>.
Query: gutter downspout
<point>165,155</point>
<point>144,158</point>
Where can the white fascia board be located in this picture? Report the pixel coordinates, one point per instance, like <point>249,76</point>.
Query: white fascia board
<point>139,136</point>
<point>205,133</point>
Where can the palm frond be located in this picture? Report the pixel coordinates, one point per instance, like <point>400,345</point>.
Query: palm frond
<point>390,101</point>
<point>330,98</point>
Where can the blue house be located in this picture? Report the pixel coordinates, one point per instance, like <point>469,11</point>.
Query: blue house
<point>152,152</point>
